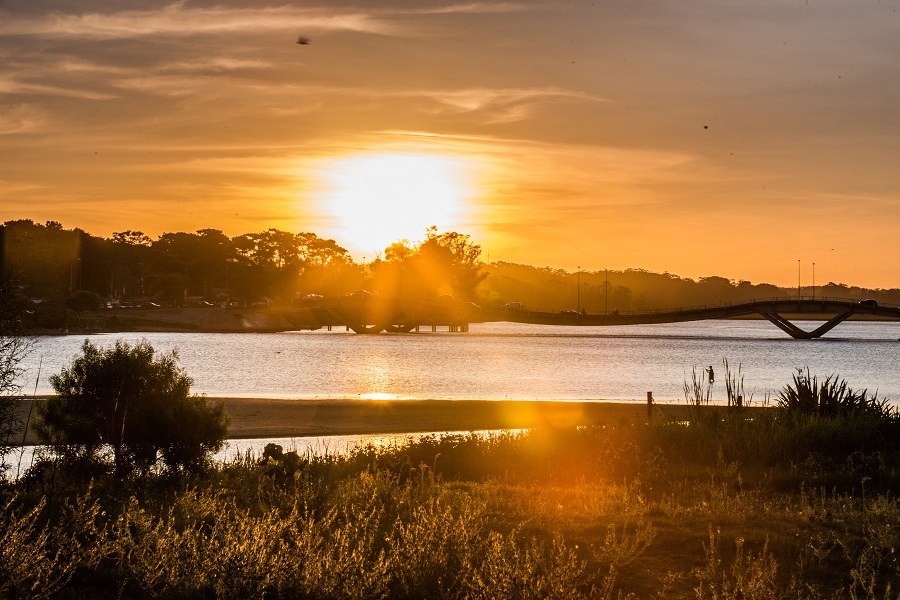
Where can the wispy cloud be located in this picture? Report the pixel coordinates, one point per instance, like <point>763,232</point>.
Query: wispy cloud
<point>503,105</point>
<point>216,64</point>
<point>9,85</point>
<point>19,118</point>
<point>473,8</point>
<point>180,20</point>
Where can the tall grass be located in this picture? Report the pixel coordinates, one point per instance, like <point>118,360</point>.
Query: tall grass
<point>660,510</point>
<point>751,503</point>
<point>734,386</point>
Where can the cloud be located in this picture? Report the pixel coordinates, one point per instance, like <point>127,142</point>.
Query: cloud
<point>180,20</point>
<point>216,64</point>
<point>8,85</point>
<point>503,105</point>
<point>19,118</point>
<point>473,8</point>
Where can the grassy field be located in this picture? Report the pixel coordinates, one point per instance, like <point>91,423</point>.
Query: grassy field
<point>722,505</point>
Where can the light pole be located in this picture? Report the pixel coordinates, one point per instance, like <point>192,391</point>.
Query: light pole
<point>578,293</point>
<point>814,282</point>
<point>606,300</point>
<point>798,279</point>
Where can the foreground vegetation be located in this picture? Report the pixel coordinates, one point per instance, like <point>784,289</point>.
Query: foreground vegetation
<point>780,505</point>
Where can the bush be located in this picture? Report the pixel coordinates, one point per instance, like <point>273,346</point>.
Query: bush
<point>137,405</point>
<point>830,398</point>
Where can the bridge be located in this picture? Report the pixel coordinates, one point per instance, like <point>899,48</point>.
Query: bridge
<point>772,309</point>
<point>370,313</point>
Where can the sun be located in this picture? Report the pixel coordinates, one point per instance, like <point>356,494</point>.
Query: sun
<point>374,200</point>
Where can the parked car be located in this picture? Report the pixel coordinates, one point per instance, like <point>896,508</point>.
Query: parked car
<point>197,303</point>
<point>869,303</point>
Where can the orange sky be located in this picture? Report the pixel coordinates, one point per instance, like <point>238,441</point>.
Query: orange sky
<point>701,138</point>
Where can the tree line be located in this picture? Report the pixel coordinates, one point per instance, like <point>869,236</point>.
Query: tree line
<point>58,269</point>
<point>600,291</point>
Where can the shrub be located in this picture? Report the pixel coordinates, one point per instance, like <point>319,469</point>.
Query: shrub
<point>137,404</point>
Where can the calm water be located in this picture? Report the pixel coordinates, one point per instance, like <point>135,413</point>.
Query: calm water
<point>21,459</point>
<point>508,360</point>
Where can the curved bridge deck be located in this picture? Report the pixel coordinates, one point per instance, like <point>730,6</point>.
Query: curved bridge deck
<point>772,309</point>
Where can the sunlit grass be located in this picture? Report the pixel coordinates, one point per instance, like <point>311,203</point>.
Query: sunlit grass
<point>729,506</point>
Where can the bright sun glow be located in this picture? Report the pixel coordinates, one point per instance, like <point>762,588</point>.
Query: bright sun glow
<point>377,199</point>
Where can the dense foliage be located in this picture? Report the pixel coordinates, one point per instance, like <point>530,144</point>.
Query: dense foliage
<point>135,403</point>
<point>178,268</point>
<point>55,263</point>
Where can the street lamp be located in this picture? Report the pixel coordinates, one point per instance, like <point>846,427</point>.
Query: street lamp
<point>814,282</point>
<point>798,279</point>
<point>578,294</point>
<point>606,300</point>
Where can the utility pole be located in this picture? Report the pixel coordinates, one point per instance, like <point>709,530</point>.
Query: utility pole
<point>814,282</point>
<point>798,279</point>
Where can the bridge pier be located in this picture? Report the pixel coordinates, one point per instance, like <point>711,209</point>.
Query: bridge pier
<point>800,334</point>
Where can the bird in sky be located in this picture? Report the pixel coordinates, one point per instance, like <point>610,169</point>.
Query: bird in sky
<point>303,40</point>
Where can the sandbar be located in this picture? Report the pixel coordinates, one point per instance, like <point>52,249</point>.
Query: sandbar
<point>281,418</point>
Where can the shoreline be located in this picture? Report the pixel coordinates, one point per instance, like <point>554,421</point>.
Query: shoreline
<point>254,418</point>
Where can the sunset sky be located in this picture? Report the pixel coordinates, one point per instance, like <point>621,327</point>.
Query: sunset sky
<point>699,137</point>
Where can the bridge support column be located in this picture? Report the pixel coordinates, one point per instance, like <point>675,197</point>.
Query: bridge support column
<point>799,334</point>
<point>786,326</point>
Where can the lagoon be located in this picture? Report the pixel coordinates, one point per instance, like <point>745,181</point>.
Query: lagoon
<point>507,361</point>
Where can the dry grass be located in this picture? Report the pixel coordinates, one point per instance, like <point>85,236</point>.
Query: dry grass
<point>723,508</point>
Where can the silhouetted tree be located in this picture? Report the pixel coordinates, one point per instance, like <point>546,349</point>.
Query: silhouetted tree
<point>135,403</point>
<point>13,348</point>
<point>200,256</point>
<point>12,351</point>
<point>456,257</point>
<point>131,238</point>
<point>444,263</point>
<point>44,258</point>
<point>282,263</point>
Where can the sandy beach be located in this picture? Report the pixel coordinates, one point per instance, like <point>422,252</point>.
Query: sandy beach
<point>267,417</point>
